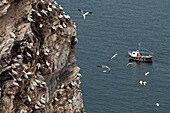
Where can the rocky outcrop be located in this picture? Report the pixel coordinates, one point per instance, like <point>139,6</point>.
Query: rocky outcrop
<point>37,58</point>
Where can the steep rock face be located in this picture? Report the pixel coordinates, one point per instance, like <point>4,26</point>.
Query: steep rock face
<point>37,58</point>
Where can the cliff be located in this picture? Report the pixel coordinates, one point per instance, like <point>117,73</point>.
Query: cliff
<point>37,58</point>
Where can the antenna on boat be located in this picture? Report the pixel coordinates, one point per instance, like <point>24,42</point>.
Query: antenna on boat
<point>139,45</point>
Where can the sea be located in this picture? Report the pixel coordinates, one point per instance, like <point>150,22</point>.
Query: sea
<point>118,26</point>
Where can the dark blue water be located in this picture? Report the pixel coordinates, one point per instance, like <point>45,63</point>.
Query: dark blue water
<point>117,26</point>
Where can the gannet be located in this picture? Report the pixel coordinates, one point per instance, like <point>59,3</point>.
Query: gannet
<point>28,54</point>
<point>60,7</point>
<point>84,14</point>
<point>144,83</point>
<point>41,25</point>
<point>15,83</point>
<point>147,73</point>
<point>49,9</point>
<point>60,26</point>
<point>30,19</point>
<point>48,64</point>
<point>69,100</point>
<point>19,56</point>
<point>53,6</point>
<point>14,72</point>
<point>114,55</point>
<point>157,104</point>
<point>64,25</point>
<point>38,65</point>
<point>62,85</point>
<point>129,64</point>
<point>55,3</point>
<point>140,82</point>
<point>12,35</point>
<point>44,12</point>
<point>38,103</point>
<point>39,14</point>
<point>36,107</point>
<point>104,66</point>
<point>29,99</point>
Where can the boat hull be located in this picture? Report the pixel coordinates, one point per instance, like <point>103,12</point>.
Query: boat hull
<point>140,59</point>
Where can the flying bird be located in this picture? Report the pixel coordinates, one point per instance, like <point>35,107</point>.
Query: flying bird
<point>157,104</point>
<point>147,73</point>
<point>84,14</point>
<point>104,66</point>
<point>114,55</point>
<point>129,64</point>
<point>140,82</point>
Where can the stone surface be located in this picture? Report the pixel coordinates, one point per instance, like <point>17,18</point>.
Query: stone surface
<point>37,59</point>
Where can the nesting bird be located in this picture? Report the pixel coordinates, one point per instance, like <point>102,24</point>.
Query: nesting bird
<point>84,14</point>
<point>29,99</point>
<point>15,84</point>
<point>60,7</point>
<point>19,56</point>
<point>14,72</point>
<point>28,54</point>
<point>44,12</point>
<point>12,35</point>
<point>62,85</point>
<point>47,63</point>
<point>41,25</point>
<point>38,65</point>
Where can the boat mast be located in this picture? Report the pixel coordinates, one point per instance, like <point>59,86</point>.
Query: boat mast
<point>139,45</point>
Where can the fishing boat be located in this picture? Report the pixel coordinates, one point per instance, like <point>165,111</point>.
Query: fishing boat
<point>140,56</point>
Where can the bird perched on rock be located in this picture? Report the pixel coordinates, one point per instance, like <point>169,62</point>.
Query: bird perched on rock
<point>104,66</point>
<point>12,35</point>
<point>84,14</point>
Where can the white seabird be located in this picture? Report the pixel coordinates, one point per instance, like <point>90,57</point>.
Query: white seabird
<point>30,19</point>
<point>12,35</point>
<point>55,3</point>
<point>29,99</point>
<point>39,14</point>
<point>15,83</point>
<point>38,65</point>
<point>129,64</point>
<point>144,83</point>
<point>60,26</point>
<point>45,12</point>
<point>140,82</point>
<point>41,25</point>
<point>84,14</point>
<point>157,104</point>
<point>60,7</point>
<point>19,56</point>
<point>14,72</point>
<point>49,9</point>
<point>47,63</point>
<point>114,55</point>
<point>147,73</point>
<point>53,6</point>
<point>28,54</point>
<point>62,85</point>
<point>104,66</point>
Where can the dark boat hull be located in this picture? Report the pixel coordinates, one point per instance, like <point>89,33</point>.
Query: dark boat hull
<point>140,59</point>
